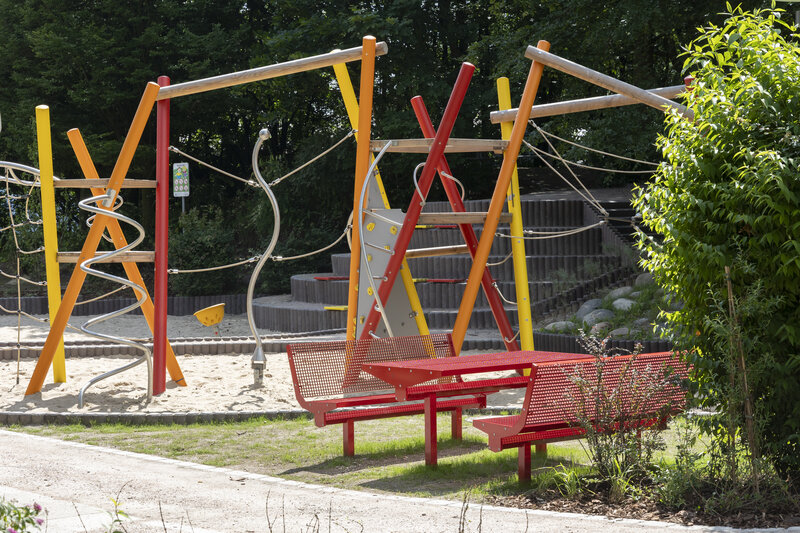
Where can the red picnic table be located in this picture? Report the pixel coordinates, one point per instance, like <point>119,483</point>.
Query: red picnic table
<point>407,377</point>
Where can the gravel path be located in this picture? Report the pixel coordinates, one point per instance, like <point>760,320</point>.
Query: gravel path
<point>74,482</point>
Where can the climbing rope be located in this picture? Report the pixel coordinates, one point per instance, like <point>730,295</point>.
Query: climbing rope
<point>11,199</point>
<point>254,183</point>
<point>596,151</point>
<point>589,197</point>
<point>542,235</point>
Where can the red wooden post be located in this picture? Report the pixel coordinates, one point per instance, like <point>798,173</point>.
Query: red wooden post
<point>161,243</point>
<point>541,451</point>
<point>524,463</point>
<point>430,431</point>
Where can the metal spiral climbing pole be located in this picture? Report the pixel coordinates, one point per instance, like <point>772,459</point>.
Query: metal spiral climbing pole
<point>109,201</point>
<point>258,360</point>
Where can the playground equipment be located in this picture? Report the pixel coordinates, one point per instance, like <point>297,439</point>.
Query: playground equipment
<point>211,316</point>
<point>377,309</point>
<point>163,358</point>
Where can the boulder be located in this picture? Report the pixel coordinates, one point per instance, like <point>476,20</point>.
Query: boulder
<point>587,307</point>
<point>620,292</point>
<point>641,322</point>
<point>558,327</point>
<point>622,304</point>
<point>598,315</point>
<point>599,328</point>
<point>643,280</point>
<point>619,332</point>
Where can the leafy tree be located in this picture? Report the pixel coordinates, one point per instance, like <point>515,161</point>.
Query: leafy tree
<point>728,194</point>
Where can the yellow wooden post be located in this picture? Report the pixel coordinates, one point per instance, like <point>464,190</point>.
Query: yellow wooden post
<point>517,242</point>
<point>351,104</point>
<point>50,234</point>
<point>496,204</point>
<point>362,166</point>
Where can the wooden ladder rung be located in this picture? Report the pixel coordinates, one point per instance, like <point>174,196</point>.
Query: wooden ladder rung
<point>437,251</point>
<point>135,256</point>
<point>423,146</point>
<point>103,183</point>
<point>466,217</point>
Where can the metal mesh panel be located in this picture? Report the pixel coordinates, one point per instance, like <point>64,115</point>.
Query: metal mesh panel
<point>637,386</point>
<point>333,368</point>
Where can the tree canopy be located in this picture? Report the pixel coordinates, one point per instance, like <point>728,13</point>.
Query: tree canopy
<point>89,62</point>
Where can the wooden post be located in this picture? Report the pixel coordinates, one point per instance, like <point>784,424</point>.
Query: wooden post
<point>362,166</point>
<point>161,243</point>
<point>48,199</point>
<point>517,242</point>
<point>605,81</point>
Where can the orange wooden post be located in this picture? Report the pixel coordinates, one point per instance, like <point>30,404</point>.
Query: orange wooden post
<point>118,237</point>
<point>362,166</point>
<point>498,199</point>
<point>92,240</point>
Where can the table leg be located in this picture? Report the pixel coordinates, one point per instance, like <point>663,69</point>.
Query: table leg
<point>524,463</point>
<point>541,451</point>
<point>348,438</point>
<point>430,431</point>
<point>455,424</point>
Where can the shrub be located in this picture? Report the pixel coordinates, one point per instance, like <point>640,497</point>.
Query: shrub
<point>204,238</point>
<point>728,194</point>
<point>19,518</point>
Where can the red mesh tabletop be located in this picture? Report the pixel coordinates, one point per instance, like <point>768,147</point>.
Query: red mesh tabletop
<point>408,373</point>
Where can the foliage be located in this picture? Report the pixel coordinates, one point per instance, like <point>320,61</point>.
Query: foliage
<point>727,195</point>
<point>19,518</point>
<point>204,238</point>
<point>702,482</point>
<point>611,400</point>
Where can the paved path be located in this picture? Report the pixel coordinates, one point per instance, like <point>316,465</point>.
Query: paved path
<point>75,483</point>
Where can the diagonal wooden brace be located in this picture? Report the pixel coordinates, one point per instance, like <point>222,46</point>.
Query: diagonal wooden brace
<point>498,200</point>
<point>92,240</point>
<point>118,238</point>
<point>415,207</point>
<point>467,231</point>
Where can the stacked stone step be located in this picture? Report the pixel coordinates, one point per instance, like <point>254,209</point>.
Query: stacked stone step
<point>561,272</point>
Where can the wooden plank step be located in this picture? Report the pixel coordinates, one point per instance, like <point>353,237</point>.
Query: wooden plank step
<point>464,217</point>
<point>102,183</point>
<point>423,146</point>
<point>135,256</point>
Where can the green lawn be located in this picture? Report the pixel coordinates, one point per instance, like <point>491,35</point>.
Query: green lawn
<point>389,453</point>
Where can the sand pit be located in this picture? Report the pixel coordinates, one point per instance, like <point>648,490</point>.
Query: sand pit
<point>215,382</point>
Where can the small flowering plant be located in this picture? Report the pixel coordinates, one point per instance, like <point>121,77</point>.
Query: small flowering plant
<point>19,518</point>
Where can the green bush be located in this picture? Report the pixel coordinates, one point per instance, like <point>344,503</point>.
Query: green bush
<point>728,193</point>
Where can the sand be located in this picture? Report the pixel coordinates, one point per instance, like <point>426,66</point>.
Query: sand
<point>214,382</point>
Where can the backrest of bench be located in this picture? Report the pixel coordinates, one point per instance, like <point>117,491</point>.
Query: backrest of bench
<point>646,385</point>
<point>333,368</point>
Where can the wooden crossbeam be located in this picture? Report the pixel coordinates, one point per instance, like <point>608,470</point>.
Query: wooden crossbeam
<point>423,146</point>
<point>437,251</point>
<point>463,217</point>
<point>89,184</point>
<point>134,256</point>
